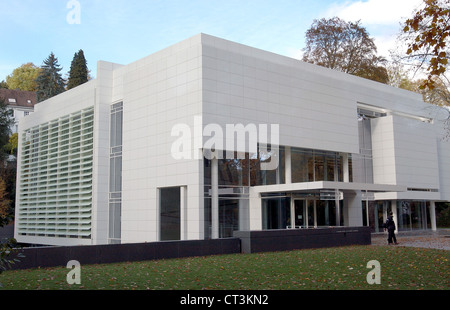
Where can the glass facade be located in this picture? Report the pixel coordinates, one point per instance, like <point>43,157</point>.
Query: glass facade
<point>234,178</point>
<point>301,209</point>
<point>287,211</point>
<point>412,215</point>
<point>314,165</point>
<point>56,178</point>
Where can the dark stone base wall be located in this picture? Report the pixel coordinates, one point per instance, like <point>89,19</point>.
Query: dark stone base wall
<point>243,242</point>
<point>295,239</point>
<point>115,253</point>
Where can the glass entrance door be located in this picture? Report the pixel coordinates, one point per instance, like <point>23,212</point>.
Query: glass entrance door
<point>304,213</point>
<point>299,213</point>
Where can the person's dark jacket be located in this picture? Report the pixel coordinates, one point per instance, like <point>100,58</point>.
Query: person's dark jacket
<point>390,224</point>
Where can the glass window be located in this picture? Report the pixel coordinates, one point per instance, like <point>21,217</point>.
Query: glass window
<point>276,213</point>
<point>228,217</point>
<point>114,220</point>
<point>170,213</point>
<point>312,165</point>
<point>301,165</point>
<point>330,167</point>
<point>271,157</point>
<point>412,215</point>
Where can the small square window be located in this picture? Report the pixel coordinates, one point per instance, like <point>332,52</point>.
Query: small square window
<point>12,100</point>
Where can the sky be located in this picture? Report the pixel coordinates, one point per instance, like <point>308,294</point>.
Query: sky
<point>123,31</point>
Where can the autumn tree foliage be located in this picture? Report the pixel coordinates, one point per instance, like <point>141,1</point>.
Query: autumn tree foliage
<point>344,46</point>
<point>23,77</point>
<point>5,203</point>
<point>427,36</point>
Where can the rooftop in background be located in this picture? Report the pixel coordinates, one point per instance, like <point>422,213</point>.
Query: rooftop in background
<point>18,98</point>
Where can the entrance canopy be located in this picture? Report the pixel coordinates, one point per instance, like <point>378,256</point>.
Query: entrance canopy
<point>311,204</point>
<point>327,185</point>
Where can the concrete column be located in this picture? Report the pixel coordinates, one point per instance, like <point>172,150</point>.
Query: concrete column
<point>255,210</point>
<point>338,209</point>
<point>345,168</point>
<point>292,212</point>
<point>394,213</point>
<point>433,215</point>
<point>244,214</point>
<point>353,209</point>
<point>214,198</point>
<point>183,213</point>
<point>287,165</point>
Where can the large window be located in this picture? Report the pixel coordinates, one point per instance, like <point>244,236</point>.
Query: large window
<point>412,215</point>
<point>235,175</point>
<point>276,213</point>
<point>314,165</point>
<point>300,211</point>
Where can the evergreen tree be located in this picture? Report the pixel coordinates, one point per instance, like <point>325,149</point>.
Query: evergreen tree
<point>49,82</point>
<point>5,123</point>
<point>78,70</point>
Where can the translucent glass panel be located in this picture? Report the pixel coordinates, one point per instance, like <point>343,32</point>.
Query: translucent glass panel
<point>115,173</point>
<point>56,177</point>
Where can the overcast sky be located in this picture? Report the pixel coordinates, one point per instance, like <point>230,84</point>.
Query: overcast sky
<point>123,31</point>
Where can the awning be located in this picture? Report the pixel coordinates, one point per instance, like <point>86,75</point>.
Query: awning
<point>328,185</point>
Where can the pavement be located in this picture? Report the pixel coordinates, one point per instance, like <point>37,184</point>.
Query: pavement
<point>432,241</point>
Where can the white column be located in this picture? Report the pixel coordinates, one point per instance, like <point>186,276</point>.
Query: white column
<point>433,215</point>
<point>183,213</point>
<point>292,212</point>
<point>315,214</point>
<point>394,213</point>
<point>287,165</point>
<point>338,209</point>
<point>352,209</point>
<point>345,168</point>
<point>255,208</point>
<point>214,198</point>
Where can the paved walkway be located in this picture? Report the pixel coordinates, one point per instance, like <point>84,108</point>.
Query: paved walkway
<point>434,241</point>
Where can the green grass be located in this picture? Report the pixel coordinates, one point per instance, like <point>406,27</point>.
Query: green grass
<point>343,268</point>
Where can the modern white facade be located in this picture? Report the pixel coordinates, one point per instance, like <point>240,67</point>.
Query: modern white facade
<point>106,161</point>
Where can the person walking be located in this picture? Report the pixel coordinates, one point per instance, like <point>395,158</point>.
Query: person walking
<point>390,226</point>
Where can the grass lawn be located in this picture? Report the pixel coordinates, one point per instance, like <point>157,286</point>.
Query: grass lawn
<point>343,268</point>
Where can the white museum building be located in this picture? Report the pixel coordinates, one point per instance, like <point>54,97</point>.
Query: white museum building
<point>209,136</point>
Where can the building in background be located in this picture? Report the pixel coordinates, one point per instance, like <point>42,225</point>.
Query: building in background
<point>21,102</point>
<point>151,150</point>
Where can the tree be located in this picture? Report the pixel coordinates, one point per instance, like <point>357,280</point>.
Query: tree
<point>344,46</point>
<point>3,84</point>
<point>427,34</point>
<point>23,77</point>
<point>78,73</point>
<point>5,203</point>
<point>50,82</point>
<point>6,121</point>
